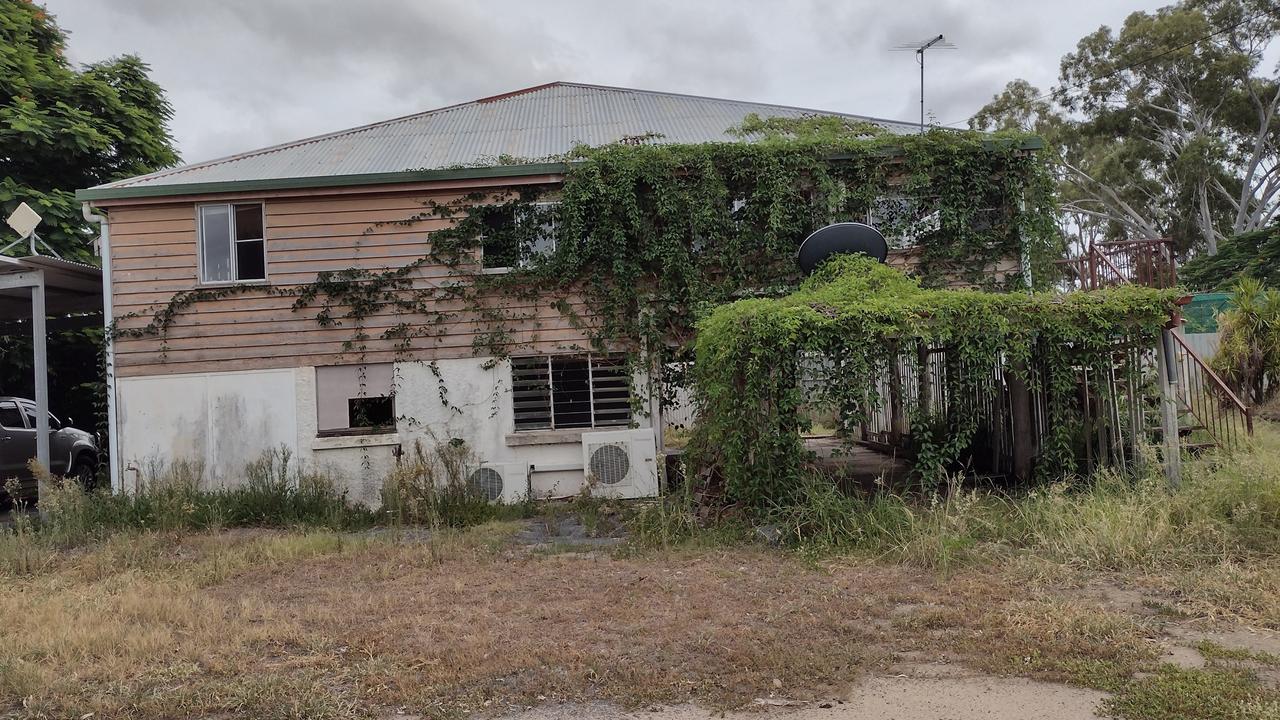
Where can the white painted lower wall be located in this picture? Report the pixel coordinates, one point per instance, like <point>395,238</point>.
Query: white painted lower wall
<point>226,420</point>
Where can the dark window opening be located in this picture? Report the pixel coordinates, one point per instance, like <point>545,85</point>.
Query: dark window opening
<point>371,412</point>
<point>499,246</point>
<point>11,417</point>
<point>515,237</point>
<point>571,391</point>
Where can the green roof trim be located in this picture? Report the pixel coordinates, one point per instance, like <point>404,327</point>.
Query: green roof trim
<point>407,176</point>
<point>320,181</point>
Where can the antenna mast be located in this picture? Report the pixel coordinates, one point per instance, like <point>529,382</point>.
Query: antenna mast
<point>936,43</point>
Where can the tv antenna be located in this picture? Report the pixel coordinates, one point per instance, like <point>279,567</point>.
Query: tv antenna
<point>24,220</point>
<point>936,43</point>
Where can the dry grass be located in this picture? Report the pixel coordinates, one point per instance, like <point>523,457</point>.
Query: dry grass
<point>270,624</point>
<point>323,624</point>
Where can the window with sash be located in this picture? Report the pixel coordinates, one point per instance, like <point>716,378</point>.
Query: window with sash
<point>233,246</point>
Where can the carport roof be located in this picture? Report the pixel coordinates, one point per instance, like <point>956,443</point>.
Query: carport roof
<point>70,287</point>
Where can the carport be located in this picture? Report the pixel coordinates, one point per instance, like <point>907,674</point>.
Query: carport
<point>33,288</point>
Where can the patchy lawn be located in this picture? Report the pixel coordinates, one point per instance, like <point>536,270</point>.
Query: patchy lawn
<point>276,624</point>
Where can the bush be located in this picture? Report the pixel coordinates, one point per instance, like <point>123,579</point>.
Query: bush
<point>1249,356</point>
<point>1255,255</point>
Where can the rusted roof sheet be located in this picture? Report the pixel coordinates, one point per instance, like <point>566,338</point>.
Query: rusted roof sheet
<point>536,124</point>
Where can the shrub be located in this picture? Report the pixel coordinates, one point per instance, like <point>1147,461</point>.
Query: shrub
<point>1249,356</point>
<point>1228,509</point>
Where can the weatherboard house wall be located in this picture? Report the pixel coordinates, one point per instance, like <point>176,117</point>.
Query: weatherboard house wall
<point>237,376</point>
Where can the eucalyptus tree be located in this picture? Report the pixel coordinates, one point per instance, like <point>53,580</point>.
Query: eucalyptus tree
<point>1166,127</point>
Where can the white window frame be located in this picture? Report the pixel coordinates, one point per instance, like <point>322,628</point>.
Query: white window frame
<point>552,226</point>
<point>234,262</point>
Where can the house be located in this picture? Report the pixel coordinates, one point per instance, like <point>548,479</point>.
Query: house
<point>214,247</point>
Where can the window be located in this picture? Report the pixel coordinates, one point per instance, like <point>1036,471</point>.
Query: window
<point>355,399</point>
<point>232,243</point>
<point>903,220</point>
<point>516,238</point>
<point>371,412</point>
<point>11,416</point>
<point>30,411</point>
<point>570,391</point>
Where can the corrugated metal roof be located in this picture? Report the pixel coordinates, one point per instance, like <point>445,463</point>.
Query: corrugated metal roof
<point>537,123</point>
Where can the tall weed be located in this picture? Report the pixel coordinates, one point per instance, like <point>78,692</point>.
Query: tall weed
<point>1228,509</point>
<point>430,487</point>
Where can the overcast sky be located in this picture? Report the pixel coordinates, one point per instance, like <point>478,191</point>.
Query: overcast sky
<point>244,74</point>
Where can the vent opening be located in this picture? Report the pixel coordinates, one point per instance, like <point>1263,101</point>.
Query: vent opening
<point>609,464</point>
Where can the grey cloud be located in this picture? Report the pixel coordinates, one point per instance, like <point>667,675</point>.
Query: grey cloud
<point>243,74</point>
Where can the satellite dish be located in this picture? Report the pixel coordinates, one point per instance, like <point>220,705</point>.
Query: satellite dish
<point>845,237</point>
<point>24,220</point>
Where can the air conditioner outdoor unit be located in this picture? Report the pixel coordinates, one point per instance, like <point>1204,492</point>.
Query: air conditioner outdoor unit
<point>621,463</point>
<point>507,483</point>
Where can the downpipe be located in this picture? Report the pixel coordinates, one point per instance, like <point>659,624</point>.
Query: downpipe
<point>113,427</point>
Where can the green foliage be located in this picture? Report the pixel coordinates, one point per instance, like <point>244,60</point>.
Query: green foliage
<point>1223,512</point>
<point>845,326</point>
<point>651,236</point>
<point>1253,255</point>
<point>1248,357</point>
<point>1174,693</point>
<point>1163,127</point>
<point>63,128</point>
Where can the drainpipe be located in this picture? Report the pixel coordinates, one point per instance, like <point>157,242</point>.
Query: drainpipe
<point>113,435</point>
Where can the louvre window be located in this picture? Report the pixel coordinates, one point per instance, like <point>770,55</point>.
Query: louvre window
<point>570,391</point>
<point>233,247</point>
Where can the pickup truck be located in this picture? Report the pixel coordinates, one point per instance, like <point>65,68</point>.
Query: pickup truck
<point>72,453</point>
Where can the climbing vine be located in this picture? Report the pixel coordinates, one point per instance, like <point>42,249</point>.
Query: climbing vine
<point>651,236</point>
<point>831,343</point>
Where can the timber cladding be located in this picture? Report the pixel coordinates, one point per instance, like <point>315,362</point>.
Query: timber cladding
<point>154,256</point>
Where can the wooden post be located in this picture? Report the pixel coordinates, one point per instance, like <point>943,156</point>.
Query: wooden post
<point>1168,373</point>
<point>897,419</point>
<point>923,380</point>
<point>1020,416</point>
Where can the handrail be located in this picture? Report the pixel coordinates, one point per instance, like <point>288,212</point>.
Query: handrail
<point>1115,262</point>
<point>1210,402</point>
<point>1111,265</point>
<point>1217,381</point>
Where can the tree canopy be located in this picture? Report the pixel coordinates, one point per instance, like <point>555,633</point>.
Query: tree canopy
<point>1165,128</point>
<point>63,127</point>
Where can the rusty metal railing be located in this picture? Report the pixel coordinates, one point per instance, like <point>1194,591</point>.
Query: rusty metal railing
<point>1219,417</point>
<point>1149,262</point>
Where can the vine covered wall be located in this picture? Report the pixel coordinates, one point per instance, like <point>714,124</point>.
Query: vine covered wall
<point>852,319</point>
<point>649,237</point>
